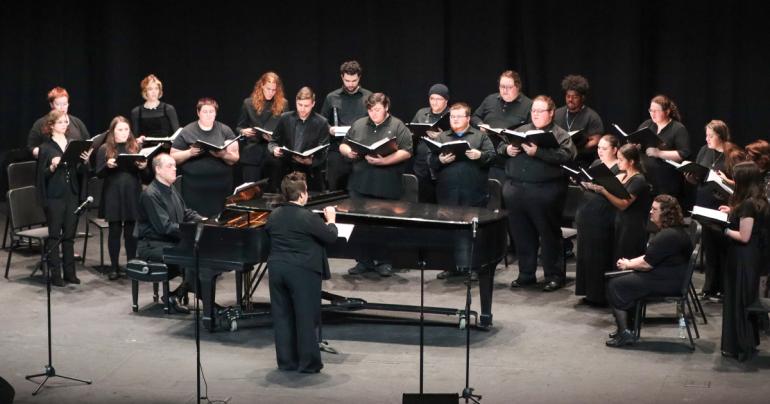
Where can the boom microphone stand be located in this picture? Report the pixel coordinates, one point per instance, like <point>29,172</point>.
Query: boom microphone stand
<point>49,371</point>
<point>468,391</point>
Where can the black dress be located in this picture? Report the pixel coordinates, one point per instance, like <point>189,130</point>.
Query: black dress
<point>253,150</point>
<point>714,246</point>
<point>155,122</point>
<point>121,189</point>
<point>668,254</point>
<point>206,180</point>
<point>663,177</point>
<point>631,224</point>
<point>740,333</point>
<point>595,222</point>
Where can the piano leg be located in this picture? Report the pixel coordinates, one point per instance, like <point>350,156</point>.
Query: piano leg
<point>208,281</point>
<point>486,287</point>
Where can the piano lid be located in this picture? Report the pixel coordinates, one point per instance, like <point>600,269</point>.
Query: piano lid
<point>270,201</point>
<point>416,212</point>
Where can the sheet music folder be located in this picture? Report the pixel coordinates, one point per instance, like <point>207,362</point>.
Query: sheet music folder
<point>74,149</point>
<point>382,147</point>
<point>419,129</point>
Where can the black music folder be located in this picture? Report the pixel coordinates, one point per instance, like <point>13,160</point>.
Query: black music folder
<point>306,153</point>
<point>688,167</point>
<point>456,147</point>
<point>146,153</point>
<point>206,146</point>
<point>383,147</point>
<point>578,137</point>
<point>714,183</point>
<point>418,129</point>
<point>645,137</point>
<point>168,139</point>
<point>601,175</point>
<point>538,137</point>
<point>574,172</point>
<point>75,148</point>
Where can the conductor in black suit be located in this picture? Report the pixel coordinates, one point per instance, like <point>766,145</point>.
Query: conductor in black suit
<point>300,130</point>
<point>297,264</point>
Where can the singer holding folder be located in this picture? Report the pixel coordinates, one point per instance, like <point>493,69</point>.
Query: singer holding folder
<point>161,210</point>
<point>120,192</point>
<point>207,175</point>
<point>58,185</point>
<point>297,263</point>
<point>342,107</point>
<point>299,131</point>
<point>534,192</point>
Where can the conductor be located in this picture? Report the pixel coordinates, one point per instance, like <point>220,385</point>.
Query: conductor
<point>297,263</point>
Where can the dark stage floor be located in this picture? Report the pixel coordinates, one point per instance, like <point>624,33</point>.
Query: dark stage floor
<point>544,348</point>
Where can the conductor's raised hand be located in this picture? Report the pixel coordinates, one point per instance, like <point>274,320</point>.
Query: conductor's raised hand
<point>330,214</point>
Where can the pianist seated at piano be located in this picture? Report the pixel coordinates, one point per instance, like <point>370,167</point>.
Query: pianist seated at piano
<point>301,130</point>
<point>297,263</point>
<point>161,210</point>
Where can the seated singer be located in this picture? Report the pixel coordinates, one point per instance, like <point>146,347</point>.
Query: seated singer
<point>297,264</point>
<point>660,271</point>
<point>161,209</point>
<point>299,131</point>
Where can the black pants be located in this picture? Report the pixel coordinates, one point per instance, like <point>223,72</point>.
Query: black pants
<point>113,241</point>
<point>338,169</point>
<point>295,305</point>
<point>534,218</point>
<point>62,225</point>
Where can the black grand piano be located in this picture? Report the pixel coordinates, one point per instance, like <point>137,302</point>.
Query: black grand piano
<point>413,235</point>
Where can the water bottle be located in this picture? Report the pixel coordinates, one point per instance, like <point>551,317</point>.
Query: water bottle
<point>682,327</point>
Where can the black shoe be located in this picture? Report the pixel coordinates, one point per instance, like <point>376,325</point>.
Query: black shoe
<point>552,286</point>
<point>359,269</point>
<point>73,279</point>
<point>384,270</point>
<point>114,275</point>
<point>621,340</point>
<point>175,307</point>
<point>446,274</point>
<point>520,283</point>
<point>56,281</point>
<point>613,334</point>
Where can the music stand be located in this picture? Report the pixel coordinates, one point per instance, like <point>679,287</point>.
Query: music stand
<point>49,371</point>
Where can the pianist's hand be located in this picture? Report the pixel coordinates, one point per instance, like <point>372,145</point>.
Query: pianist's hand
<point>330,214</point>
<point>446,158</point>
<point>111,163</point>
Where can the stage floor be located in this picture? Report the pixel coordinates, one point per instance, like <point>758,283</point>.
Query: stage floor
<point>544,348</point>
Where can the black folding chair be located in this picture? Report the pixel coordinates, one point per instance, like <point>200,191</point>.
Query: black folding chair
<point>21,174</point>
<point>28,221</point>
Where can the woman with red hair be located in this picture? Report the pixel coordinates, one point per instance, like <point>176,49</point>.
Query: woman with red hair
<point>59,100</point>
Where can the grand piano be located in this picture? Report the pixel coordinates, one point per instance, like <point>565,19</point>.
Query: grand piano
<point>412,235</point>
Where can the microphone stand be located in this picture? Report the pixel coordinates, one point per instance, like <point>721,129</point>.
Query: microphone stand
<point>198,317</point>
<point>468,391</point>
<point>49,371</point>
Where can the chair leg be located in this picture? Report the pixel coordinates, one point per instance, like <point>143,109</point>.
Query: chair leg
<point>691,316</point>
<point>638,319</point>
<point>7,226</point>
<point>101,249</point>
<point>687,321</point>
<point>8,262</point>
<point>696,302</point>
<point>167,308</point>
<point>134,295</point>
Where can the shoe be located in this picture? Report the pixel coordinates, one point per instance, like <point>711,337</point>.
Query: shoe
<point>552,286</point>
<point>57,281</point>
<point>175,306</point>
<point>485,321</point>
<point>613,334</point>
<point>359,269</point>
<point>446,274</point>
<point>520,283</point>
<point>114,275</point>
<point>621,340</point>
<point>73,279</point>
<point>474,276</point>
<point>384,270</point>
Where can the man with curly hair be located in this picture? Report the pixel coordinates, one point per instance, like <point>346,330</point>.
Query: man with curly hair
<point>576,115</point>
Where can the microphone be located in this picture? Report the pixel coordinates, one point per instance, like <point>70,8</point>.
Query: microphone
<point>83,205</point>
<point>198,233</point>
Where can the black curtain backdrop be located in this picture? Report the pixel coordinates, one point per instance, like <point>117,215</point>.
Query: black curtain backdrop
<point>710,57</point>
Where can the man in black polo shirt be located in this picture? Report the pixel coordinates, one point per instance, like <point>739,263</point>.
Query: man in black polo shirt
<point>342,107</point>
<point>508,108</point>
<point>438,100</point>
<point>377,176</point>
<point>534,193</point>
<point>300,130</point>
<point>462,179</point>
<point>576,115</point>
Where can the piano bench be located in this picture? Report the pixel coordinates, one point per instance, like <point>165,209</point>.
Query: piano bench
<point>155,272</point>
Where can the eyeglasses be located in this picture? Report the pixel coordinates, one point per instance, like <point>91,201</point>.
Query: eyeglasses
<point>539,111</point>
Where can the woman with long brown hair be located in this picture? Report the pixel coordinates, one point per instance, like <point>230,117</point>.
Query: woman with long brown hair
<point>261,109</point>
<point>748,210</point>
<point>120,192</point>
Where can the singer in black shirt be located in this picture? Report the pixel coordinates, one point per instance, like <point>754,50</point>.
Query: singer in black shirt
<point>342,107</point>
<point>438,98</point>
